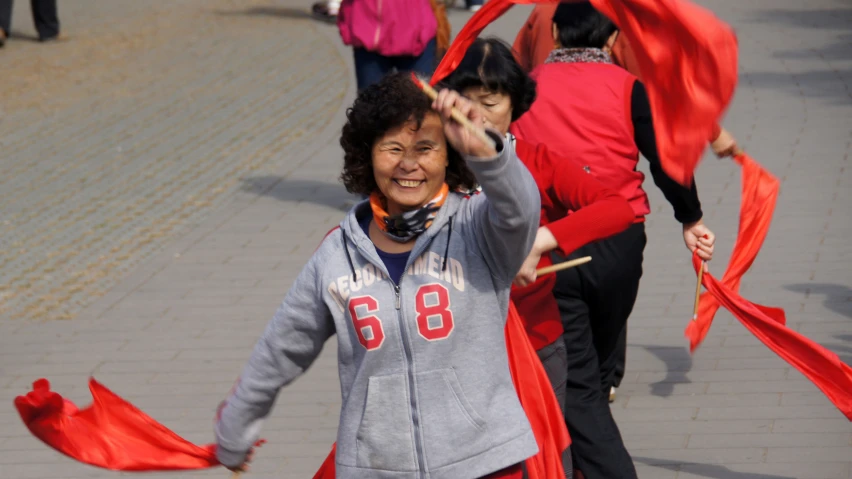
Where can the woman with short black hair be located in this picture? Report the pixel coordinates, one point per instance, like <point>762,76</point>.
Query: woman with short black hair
<point>581,26</point>
<point>489,75</point>
<point>586,101</point>
<point>489,64</point>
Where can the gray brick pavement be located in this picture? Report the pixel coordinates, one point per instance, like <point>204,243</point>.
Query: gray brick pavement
<point>115,184</point>
<point>215,88</point>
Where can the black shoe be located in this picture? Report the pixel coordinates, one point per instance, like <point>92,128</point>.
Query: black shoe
<point>52,38</point>
<point>321,11</point>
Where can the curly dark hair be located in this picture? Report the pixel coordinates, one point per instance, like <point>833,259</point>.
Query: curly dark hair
<point>489,63</point>
<point>380,107</point>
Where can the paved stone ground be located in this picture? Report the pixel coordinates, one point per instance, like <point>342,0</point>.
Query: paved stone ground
<point>146,126</point>
<point>169,169</point>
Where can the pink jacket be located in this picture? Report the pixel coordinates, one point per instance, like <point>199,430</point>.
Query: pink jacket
<point>387,27</point>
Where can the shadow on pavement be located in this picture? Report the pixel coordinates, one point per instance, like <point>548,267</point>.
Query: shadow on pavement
<point>839,49</point>
<point>15,35</point>
<point>823,19</point>
<point>843,351</point>
<point>678,362</point>
<point>712,471</point>
<point>332,195</point>
<point>271,11</point>
<point>828,83</point>
<point>837,297</point>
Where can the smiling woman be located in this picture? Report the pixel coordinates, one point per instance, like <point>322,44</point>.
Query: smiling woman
<point>410,164</point>
<point>373,121</point>
<point>397,154</point>
<point>415,283</point>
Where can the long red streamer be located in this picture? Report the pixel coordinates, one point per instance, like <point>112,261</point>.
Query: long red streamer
<point>688,61</point>
<point>759,195</point>
<point>111,433</point>
<point>824,368</point>
<point>536,395</point>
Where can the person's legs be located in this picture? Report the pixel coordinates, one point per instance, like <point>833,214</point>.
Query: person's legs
<point>612,368</point>
<point>370,67</point>
<point>554,358</point>
<point>5,19</point>
<point>46,18</point>
<point>473,5</point>
<point>424,64</point>
<point>621,359</point>
<point>597,447</point>
<point>612,286</point>
<point>326,10</point>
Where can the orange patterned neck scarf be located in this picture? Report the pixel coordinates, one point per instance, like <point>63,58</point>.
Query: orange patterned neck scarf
<point>407,225</point>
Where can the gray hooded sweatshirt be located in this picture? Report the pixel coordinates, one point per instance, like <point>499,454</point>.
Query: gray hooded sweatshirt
<point>424,374</point>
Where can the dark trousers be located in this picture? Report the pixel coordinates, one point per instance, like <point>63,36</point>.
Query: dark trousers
<point>595,300</point>
<point>370,67</point>
<point>612,372</point>
<point>554,358</point>
<point>45,17</point>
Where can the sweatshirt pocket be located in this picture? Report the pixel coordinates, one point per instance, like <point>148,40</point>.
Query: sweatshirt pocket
<point>385,439</point>
<point>453,430</point>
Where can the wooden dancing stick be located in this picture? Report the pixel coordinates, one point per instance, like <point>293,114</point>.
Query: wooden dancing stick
<point>698,291</point>
<point>559,267</point>
<point>456,115</point>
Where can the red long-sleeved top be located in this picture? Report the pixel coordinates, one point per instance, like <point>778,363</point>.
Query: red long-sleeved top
<point>596,213</point>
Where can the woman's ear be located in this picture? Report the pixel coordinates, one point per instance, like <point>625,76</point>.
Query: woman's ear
<point>554,31</point>
<point>610,42</point>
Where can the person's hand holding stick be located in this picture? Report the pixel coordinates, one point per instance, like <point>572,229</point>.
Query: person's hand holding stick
<point>458,116</point>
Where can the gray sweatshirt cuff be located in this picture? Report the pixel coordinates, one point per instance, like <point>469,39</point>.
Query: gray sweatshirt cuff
<point>230,458</point>
<point>499,145</point>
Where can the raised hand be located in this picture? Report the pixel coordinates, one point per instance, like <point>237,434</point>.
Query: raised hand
<point>460,137</point>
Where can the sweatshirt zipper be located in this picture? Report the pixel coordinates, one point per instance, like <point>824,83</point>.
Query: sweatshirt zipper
<point>406,350</point>
<point>409,362</point>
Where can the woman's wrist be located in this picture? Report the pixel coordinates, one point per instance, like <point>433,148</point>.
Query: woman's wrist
<point>691,224</point>
<point>483,151</point>
<point>545,242</point>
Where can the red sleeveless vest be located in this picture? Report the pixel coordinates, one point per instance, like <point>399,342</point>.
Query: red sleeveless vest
<point>586,107</point>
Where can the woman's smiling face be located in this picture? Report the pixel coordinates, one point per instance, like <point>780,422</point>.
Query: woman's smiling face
<point>410,163</point>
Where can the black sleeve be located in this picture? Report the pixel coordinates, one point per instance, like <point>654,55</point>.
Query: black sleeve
<point>687,208</point>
